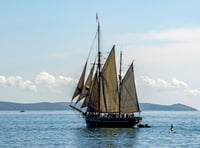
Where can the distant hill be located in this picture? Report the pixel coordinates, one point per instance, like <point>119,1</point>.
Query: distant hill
<point>174,107</point>
<point>9,106</point>
<point>34,106</point>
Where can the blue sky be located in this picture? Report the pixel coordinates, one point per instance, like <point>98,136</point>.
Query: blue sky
<point>44,44</point>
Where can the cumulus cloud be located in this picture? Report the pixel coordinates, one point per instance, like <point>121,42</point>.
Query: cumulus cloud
<point>46,78</point>
<point>194,92</point>
<point>18,82</point>
<point>43,80</point>
<point>55,84</point>
<point>178,83</point>
<point>156,83</point>
<point>174,85</point>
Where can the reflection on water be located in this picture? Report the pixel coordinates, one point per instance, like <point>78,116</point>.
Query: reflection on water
<point>106,137</point>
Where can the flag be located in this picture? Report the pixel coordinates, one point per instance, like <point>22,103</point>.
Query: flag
<point>97,18</point>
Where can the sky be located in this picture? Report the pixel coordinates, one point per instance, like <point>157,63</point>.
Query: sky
<point>44,45</point>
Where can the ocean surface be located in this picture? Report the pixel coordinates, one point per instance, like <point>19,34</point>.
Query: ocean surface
<point>66,129</point>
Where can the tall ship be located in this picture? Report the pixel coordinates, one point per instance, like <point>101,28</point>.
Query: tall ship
<point>105,98</point>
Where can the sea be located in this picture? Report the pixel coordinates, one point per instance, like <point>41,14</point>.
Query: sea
<point>67,129</point>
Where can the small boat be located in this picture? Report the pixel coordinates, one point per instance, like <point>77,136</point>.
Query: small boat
<point>107,99</point>
<point>143,126</point>
<point>22,110</point>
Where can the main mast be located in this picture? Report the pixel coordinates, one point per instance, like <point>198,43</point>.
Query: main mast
<point>99,60</point>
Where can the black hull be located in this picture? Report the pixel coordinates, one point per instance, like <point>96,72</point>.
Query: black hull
<point>112,122</point>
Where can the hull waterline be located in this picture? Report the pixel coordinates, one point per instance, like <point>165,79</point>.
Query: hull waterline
<point>112,122</point>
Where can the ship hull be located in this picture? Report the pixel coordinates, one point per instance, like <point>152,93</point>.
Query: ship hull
<point>112,122</point>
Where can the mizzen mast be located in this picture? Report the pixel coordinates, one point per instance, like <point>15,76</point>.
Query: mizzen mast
<point>120,81</point>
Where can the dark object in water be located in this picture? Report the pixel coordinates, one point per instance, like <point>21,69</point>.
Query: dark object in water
<point>22,110</point>
<point>172,127</point>
<point>143,126</point>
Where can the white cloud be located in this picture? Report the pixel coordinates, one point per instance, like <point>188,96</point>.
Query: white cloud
<point>193,92</point>
<point>175,85</point>
<point>2,80</point>
<point>156,83</point>
<point>18,82</point>
<point>178,83</point>
<point>45,78</point>
<point>52,83</point>
<point>43,81</point>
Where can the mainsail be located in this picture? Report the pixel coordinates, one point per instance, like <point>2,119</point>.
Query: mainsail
<point>109,92</point>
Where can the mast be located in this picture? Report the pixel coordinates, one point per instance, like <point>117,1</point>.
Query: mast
<point>99,60</point>
<point>120,81</point>
<point>120,68</point>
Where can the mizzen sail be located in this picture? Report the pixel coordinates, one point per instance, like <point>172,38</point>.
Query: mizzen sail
<point>129,100</point>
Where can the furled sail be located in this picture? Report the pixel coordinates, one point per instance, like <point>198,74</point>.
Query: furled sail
<point>129,101</point>
<point>87,85</point>
<point>80,84</point>
<point>109,97</point>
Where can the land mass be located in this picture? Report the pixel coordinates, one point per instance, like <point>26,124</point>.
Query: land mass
<point>9,106</point>
<point>173,107</point>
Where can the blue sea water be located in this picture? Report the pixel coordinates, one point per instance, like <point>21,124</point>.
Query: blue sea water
<point>65,129</point>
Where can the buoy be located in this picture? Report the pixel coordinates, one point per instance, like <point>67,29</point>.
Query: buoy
<point>172,127</point>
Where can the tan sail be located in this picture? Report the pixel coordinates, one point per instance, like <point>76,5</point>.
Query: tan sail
<point>93,104</point>
<point>109,89</point>
<point>80,84</point>
<point>87,85</point>
<point>85,102</point>
<point>129,101</point>
<point>88,96</point>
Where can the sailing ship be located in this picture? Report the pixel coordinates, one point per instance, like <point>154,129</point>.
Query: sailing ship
<point>106,99</point>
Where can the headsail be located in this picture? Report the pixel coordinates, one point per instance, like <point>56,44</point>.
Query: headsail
<point>88,96</point>
<point>129,100</point>
<point>80,84</point>
<point>87,85</point>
